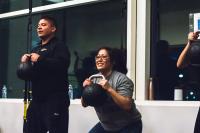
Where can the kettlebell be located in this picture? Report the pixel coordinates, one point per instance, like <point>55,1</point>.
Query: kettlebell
<point>24,70</point>
<point>94,95</point>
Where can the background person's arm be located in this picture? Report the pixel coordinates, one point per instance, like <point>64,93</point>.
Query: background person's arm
<point>183,60</point>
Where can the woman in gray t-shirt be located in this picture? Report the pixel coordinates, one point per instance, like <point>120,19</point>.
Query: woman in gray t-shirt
<point>118,114</point>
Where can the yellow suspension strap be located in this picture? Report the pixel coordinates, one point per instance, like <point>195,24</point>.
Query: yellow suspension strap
<point>27,89</point>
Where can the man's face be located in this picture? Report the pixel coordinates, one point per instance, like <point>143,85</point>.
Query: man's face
<point>103,60</point>
<point>45,28</point>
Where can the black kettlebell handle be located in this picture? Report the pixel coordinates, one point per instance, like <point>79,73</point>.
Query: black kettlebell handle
<point>93,94</point>
<point>96,76</point>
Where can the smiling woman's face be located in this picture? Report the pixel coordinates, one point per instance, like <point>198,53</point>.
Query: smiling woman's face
<point>103,62</point>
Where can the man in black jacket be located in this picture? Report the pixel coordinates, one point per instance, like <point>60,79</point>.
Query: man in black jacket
<point>48,110</point>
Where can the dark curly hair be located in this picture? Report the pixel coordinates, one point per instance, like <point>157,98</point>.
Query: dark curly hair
<point>117,58</point>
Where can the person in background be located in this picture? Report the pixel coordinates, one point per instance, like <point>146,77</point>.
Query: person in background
<point>166,76</point>
<point>118,114</point>
<point>189,57</point>
<point>83,68</point>
<point>48,110</point>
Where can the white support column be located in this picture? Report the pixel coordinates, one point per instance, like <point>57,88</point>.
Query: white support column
<point>131,40</point>
<point>143,48</point>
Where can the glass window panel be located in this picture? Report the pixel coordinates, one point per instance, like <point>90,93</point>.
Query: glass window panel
<point>14,5</point>
<point>84,29</point>
<point>170,23</point>
<point>12,46</point>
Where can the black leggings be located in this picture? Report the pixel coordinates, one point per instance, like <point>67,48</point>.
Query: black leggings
<point>135,127</point>
<point>49,116</point>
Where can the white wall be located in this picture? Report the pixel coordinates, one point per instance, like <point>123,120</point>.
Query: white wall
<point>157,116</point>
<point>168,116</point>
